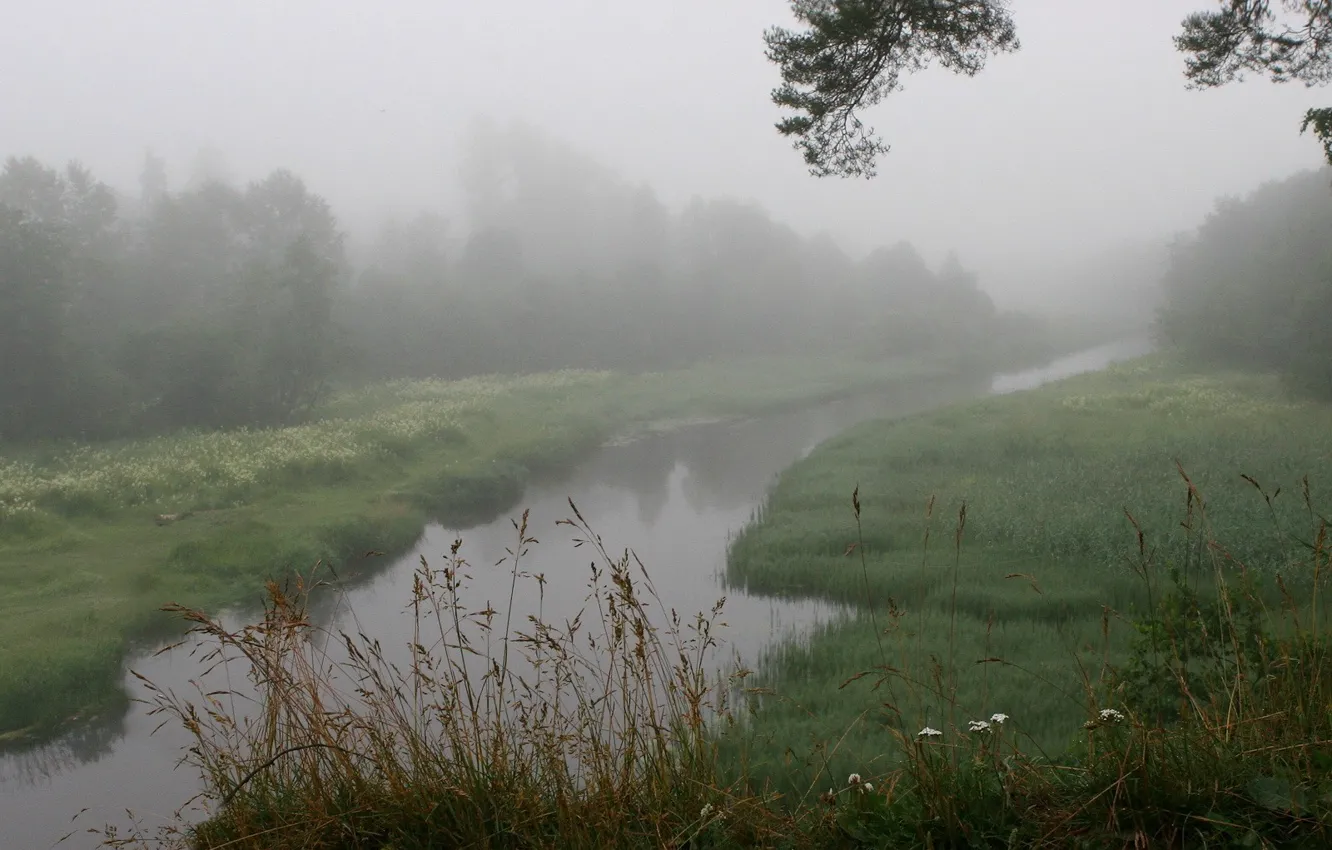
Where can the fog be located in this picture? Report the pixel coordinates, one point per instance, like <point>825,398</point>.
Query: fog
<point>1086,138</point>
<point>239,240</point>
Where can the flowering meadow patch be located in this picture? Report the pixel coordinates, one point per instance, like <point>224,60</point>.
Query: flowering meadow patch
<point>223,468</point>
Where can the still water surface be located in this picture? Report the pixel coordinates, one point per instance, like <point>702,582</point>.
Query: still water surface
<point>674,498</point>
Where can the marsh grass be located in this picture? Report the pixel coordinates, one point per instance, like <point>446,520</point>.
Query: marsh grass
<point>1196,715</point>
<point>1047,475</point>
<point>612,730</point>
<point>1157,688</point>
<point>593,732</point>
<point>1055,498</point>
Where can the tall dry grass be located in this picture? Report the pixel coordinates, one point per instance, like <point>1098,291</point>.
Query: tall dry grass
<point>598,731</point>
<point>611,730</point>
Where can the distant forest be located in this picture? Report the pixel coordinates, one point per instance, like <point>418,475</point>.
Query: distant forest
<point>1252,287</point>
<point>217,305</point>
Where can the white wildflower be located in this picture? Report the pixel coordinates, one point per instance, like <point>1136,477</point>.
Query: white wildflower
<point>222,467</point>
<point>1109,715</point>
<point>705,812</point>
<point>868,787</point>
<point>853,779</point>
<point>978,726</point>
<point>929,732</point>
<point>998,719</point>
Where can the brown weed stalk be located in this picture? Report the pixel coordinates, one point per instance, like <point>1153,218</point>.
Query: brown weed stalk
<point>587,733</point>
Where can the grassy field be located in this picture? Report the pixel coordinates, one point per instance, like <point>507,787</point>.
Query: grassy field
<point>1024,677</point>
<point>1042,569</point>
<point>85,562</point>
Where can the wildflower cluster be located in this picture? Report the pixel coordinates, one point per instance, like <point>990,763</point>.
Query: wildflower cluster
<point>10,508</point>
<point>854,782</point>
<point>987,725</point>
<point>711,814</point>
<point>1105,717</point>
<point>191,468</point>
<point>1194,397</point>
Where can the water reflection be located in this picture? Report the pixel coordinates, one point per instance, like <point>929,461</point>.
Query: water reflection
<point>675,498</point>
<point>89,742</point>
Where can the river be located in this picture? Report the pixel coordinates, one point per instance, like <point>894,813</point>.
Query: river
<point>675,498</point>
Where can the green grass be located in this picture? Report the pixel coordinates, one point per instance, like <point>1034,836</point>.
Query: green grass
<point>84,566</point>
<point>614,734</point>
<point>1192,713</point>
<point>1048,565</point>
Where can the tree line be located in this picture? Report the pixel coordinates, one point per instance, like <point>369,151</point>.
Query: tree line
<point>219,305</point>
<point>1252,287</point>
<point>208,307</point>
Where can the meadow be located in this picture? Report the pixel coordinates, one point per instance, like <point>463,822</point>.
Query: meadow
<point>994,561</point>
<point>94,539</point>
<point>1051,683</point>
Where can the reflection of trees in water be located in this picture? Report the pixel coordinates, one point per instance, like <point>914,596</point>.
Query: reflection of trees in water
<point>38,762</point>
<point>95,739</point>
<point>642,467</point>
<point>728,464</point>
<point>652,502</point>
<point>731,465</point>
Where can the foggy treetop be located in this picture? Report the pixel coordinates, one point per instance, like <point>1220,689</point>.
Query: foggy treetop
<point>218,304</point>
<point>1086,137</point>
<point>305,216</point>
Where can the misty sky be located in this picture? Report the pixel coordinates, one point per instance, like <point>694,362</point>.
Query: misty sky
<point>1087,137</point>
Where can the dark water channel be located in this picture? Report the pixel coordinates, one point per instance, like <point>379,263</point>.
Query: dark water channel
<point>674,498</point>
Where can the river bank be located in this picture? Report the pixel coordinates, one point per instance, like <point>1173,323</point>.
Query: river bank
<point>1042,571</point>
<point>104,535</point>
<point>675,496</point>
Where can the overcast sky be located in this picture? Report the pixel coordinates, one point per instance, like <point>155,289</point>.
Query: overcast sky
<point>1086,137</point>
